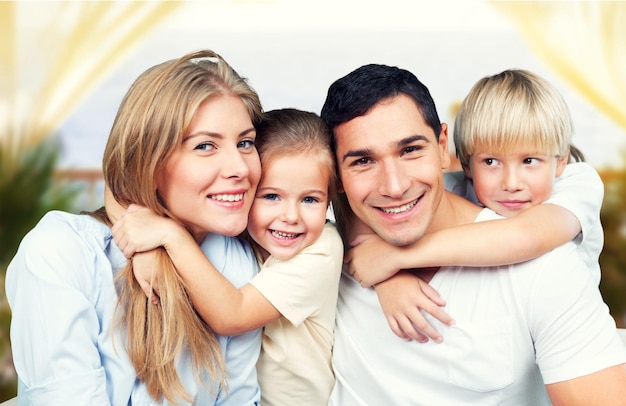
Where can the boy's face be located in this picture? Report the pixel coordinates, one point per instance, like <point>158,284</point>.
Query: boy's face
<point>512,182</point>
<point>289,210</point>
<point>391,169</point>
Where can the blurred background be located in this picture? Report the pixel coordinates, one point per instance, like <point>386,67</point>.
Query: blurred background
<point>65,65</point>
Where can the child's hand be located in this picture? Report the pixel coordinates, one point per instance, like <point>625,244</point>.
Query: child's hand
<point>370,260</point>
<point>139,229</point>
<point>402,297</point>
<point>144,264</point>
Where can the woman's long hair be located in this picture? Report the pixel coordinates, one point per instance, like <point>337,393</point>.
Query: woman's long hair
<point>149,126</point>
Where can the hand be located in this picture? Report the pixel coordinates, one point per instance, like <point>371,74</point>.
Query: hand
<point>144,265</point>
<point>139,229</point>
<point>370,260</point>
<point>402,297</point>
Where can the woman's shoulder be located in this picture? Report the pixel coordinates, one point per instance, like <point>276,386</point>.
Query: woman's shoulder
<point>61,228</point>
<point>231,256</point>
<point>60,244</point>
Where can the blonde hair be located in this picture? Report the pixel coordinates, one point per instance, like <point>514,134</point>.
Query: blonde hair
<point>149,126</point>
<point>511,108</point>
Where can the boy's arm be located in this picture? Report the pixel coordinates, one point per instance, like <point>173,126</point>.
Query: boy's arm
<point>528,235</point>
<point>402,298</point>
<point>228,310</point>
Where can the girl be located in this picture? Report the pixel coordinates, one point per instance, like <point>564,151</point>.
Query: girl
<point>295,294</point>
<point>82,332</point>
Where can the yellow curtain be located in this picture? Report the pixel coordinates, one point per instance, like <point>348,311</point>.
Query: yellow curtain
<point>52,54</point>
<point>583,41</point>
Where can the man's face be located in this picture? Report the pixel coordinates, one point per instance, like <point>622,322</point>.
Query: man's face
<point>391,165</point>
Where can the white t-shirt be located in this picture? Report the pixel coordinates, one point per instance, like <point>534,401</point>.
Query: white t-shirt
<point>518,327</point>
<point>294,367</point>
<point>579,189</point>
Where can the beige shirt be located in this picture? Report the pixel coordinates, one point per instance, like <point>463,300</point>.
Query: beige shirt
<point>294,367</point>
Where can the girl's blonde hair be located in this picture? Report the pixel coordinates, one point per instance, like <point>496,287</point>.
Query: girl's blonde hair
<point>515,107</point>
<point>149,126</point>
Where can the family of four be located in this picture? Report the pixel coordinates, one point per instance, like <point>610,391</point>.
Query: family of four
<point>212,275</point>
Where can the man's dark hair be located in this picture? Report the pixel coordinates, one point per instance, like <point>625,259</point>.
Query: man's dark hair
<point>356,93</point>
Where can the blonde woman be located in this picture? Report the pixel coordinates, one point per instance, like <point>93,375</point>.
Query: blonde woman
<point>182,144</point>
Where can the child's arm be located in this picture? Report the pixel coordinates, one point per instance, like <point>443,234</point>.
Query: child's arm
<point>402,297</point>
<point>488,243</point>
<point>228,310</point>
<point>574,207</point>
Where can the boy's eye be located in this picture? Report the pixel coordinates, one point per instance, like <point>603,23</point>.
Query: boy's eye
<point>490,161</point>
<point>530,161</point>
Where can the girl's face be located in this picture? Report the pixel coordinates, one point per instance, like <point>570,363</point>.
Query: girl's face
<point>209,182</point>
<point>511,183</point>
<point>289,211</point>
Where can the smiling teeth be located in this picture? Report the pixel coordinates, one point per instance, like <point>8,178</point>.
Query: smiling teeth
<point>401,209</point>
<point>280,234</point>
<point>228,198</point>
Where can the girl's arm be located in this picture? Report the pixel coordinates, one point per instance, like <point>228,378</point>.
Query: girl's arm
<point>489,243</point>
<point>228,310</point>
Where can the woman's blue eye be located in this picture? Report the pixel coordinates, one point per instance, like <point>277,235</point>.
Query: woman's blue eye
<point>246,144</point>
<point>205,146</point>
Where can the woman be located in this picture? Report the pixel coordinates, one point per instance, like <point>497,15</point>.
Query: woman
<point>182,144</point>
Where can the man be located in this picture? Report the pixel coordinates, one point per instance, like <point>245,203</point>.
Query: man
<point>532,333</point>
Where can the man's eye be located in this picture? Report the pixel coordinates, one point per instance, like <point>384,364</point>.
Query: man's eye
<point>412,148</point>
<point>360,161</point>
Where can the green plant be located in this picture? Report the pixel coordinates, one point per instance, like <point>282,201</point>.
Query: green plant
<point>613,257</point>
<point>28,190</point>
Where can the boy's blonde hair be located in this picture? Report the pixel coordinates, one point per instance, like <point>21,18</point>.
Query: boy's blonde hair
<point>515,107</point>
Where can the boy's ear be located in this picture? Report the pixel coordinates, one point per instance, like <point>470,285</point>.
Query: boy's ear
<point>561,163</point>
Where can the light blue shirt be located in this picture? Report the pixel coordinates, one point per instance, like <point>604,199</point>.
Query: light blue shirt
<point>61,292</point>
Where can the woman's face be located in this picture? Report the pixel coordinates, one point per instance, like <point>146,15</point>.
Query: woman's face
<point>209,183</point>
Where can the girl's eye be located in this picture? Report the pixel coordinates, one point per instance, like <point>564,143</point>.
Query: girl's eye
<point>271,196</point>
<point>205,146</point>
<point>246,144</point>
<point>310,200</point>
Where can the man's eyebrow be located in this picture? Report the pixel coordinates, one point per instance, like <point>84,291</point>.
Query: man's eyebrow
<point>356,153</point>
<point>411,139</point>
